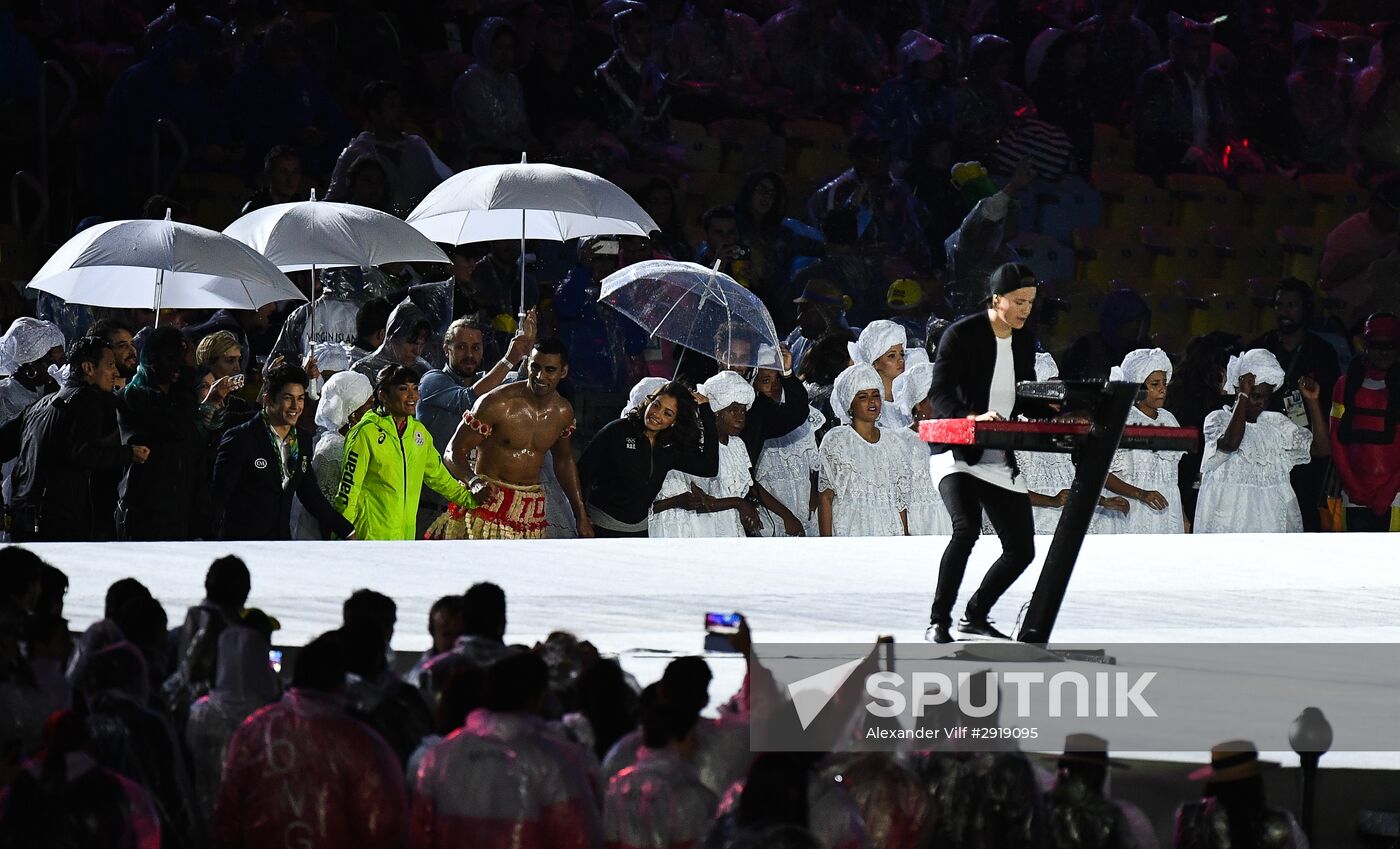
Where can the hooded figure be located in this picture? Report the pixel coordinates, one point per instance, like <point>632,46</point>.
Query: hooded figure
<point>344,394</point>
<point>488,101</point>
<point>243,683</point>
<point>405,337</point>
<point>914,111</point>
<point>24,357</point>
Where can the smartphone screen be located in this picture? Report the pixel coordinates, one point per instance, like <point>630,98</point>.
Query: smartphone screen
<point>722,623</point>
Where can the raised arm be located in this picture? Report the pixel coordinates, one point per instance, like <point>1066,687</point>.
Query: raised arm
<point>1317,420</point>
<point>1234,432</point>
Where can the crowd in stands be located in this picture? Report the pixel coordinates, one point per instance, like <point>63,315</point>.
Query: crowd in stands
<point>1203,179</point>
<point>136,734</point>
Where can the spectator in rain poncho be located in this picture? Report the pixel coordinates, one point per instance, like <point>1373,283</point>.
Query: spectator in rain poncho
<point>865,477</point>
<point>881,344</point>
<point>1148,478</point>
<point>781,801</point>
<point>65,798</point>
<point>410,166</point>
<point>330,318</point>
<point>786,463</point>
<point>660,802</point>
<point>891,798</point>
<point>348,788</point>
<point>1048,476</point>
<point>1078,812</point>
<point>981,242</point>
<point>1250,451</point>
<point>914,111</point>
<point>1233,809</point>
<point>346,397</point>
<point>27,350</point>
<point>488,101</point>
<point>243,683</point>
<point>987,104</point>
<point>408,330</point>
<point>505,779</point>
<point>927,514</point>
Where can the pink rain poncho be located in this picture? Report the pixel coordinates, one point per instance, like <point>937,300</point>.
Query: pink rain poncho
<point>303,772</point>
<point>505,781</point>
<point>657,803</point>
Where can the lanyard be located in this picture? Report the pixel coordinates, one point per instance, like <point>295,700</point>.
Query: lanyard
<point>293,449</point>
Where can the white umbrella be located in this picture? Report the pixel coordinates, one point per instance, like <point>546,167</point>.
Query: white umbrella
<point>138,264</point>
<point>527,201</point>
<point>311,235</point>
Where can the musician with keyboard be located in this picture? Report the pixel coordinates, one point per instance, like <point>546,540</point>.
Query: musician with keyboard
<point>980,359</point>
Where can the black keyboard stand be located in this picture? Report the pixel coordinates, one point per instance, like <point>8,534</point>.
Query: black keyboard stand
<point>1108,404</point>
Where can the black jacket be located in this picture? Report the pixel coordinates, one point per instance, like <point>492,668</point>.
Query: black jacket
<point>767,419</point>
<point>166,497</point>
<point>68,436</point>
<point>621,471</point>
<point>962,374</point>
<point>250,502</point>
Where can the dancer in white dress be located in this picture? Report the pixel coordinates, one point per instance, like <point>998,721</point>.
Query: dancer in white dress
<point>346,397</point>
<point>881,345</point>
<point>1148,478</point>
<point>1249,452</point>
<point>927,513</point>
<point>866,478</point>
<point>1048,476</point>
<point>688,506</point>
<point>786,464</point>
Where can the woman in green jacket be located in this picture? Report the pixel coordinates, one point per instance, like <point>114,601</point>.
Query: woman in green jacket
<point>389,456</point>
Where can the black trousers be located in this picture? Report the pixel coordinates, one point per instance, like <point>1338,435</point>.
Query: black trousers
<point>1010,513</point>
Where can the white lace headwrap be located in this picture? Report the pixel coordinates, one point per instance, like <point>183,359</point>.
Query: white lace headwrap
<point>877,338</point>
<point>912,387</point>
<point>1138,365</point>
<point>1258,362</point>
<point>854,379</point>
<point>643,390</point>
<point>725,388</point>
<point>27,340</point>
<point>342,395</point>
<point>1045,368</point>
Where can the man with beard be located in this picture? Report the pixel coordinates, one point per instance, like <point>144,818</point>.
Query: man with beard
<point>262,463</point>
<point>119,335</point>
<point>511,429</point>
<point>69,437</point>
<point>1302,353</point>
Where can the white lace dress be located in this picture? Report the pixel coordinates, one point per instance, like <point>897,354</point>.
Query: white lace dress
<point>1247,490</point>
<point>1151,470</point>
<point>1046,473</point>
<point>733,481</point>
<point>326,460</point>
<point>785,467</point>
<point>872,482</point>
<point>927,513</point>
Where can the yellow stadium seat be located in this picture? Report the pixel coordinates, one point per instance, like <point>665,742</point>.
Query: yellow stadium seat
<point>1107,255</point>
<point>754,153</point>
<point>1172,307</point>
<point>1273,200</point>
<point>1302,251</point>
<point>1112,152</point>
<point>1336,197</point>
<point>1178,252</point>
<point>1222,307</point>
<point>1199,200</point>
<point>1074,313</point>
<point>703,154</point>
<point>1131,200</point>
<point>687,131</point>
<point>1243,253</point>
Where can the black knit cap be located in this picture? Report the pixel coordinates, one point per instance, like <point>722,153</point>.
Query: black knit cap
<point>1009,278</point>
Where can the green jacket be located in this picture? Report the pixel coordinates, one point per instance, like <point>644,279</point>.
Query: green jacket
<point>384,473</point>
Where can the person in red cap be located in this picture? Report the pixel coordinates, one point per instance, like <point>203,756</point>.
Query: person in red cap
<point>1363,429</point>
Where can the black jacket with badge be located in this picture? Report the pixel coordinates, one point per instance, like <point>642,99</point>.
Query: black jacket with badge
<point>621,472</point>
<point>962,375</point>
<point>251,502</point>
<point>67,437</point>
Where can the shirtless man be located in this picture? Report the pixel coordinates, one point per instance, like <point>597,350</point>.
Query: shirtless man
<point>510,428</point>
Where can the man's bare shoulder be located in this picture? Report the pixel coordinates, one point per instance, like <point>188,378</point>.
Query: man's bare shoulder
<point>501,398</point>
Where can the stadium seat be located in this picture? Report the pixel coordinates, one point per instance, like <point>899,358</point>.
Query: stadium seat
<point>1172,306</point>
<point>1336,197</point>
<point>1273,200</point>
<point>1131,200</point>
<point>754,153</point>
<point>1112,152</point>
<point>703,154</point>
<point>1177,252</point>
<point>1223,307</point>
<point>1066,206</point>
<point>1107,255</point>
<point>1049,259</point>
<point>1302,251</point>
<point>687,131</point>
<point>1199,200</point>
<point>1243,253</point>
<point>1068,311</point>
<point>739,128</point>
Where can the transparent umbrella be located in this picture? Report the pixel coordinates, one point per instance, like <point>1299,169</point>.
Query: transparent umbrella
<point>695,307</point>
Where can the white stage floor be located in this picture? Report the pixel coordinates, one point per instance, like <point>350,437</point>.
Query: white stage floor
<point>645,600</point>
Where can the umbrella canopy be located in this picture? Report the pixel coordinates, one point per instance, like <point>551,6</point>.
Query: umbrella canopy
<point>495,202</point>
<point>325,234</point>
<point>697,308</point>
<point>155,264</point>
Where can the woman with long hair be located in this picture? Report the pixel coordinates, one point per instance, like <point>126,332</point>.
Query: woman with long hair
<point>622,469</point>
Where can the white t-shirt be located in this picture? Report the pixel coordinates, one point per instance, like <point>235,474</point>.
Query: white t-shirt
<point>1001,398</point>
